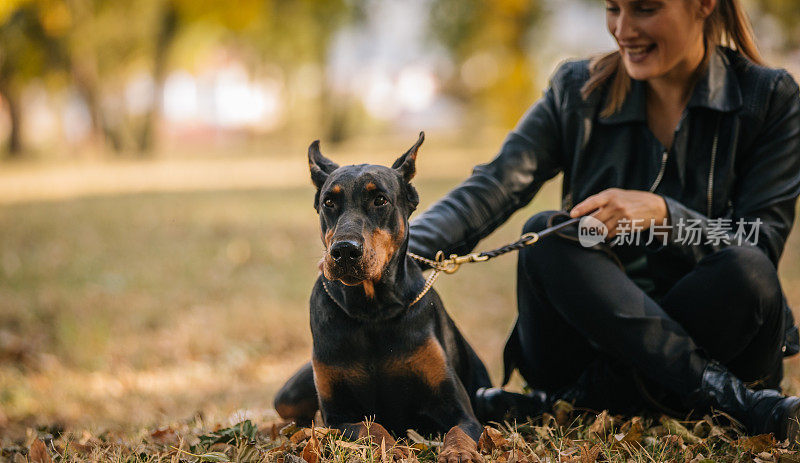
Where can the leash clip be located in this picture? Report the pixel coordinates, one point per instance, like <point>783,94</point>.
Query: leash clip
<point>452,264</point>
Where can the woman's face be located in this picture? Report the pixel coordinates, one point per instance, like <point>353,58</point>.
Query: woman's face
<point>656,37</point>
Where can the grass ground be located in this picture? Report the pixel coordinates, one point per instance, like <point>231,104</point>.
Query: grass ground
<point>174,292</point>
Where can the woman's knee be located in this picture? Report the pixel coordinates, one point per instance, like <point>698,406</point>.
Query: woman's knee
<point>748,272</point>
<point>538,221</point>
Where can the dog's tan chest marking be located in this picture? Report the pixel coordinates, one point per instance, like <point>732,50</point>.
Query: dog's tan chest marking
<point>427,362</point>
<point>369,289</point>
<point>327,376</point>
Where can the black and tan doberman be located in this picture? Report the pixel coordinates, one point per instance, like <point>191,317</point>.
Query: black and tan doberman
<point>375,354</point>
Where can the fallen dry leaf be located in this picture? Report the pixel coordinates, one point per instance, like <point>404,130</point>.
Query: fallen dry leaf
<point>589,455</point>
<point>88,439</point>
<point>602,425</point>
<point>490,440</point>
<point>323,432</point>
<point>311,452</point>
<point>513,456</point>
<point>165,435</point>
<point>674,427</point>
<point>673,440</point>
<point>562,410</point>
<point>38,452</point>
<point>544,432</point>
<point>300,436</point>
<point>756,444</point>
<point>290,429</point>
<point>699,458</point>
<point>77,447</point>
<point>349,445</point>
<point>634,433</point>
<point>702,428</point>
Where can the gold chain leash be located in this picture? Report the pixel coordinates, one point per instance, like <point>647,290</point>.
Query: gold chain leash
<point>453,263</point>
<point>450,265</point>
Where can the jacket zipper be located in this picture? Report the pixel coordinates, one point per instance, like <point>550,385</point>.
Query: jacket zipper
<point>710,190</point>
<point>710,193</point>
<point>660,175</point>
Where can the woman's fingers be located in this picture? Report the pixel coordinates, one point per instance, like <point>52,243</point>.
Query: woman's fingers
<point>631,208</point>
<point>611,225</point>
<point>603,214</point>
<point>608,217</point>
<point>592,202</point>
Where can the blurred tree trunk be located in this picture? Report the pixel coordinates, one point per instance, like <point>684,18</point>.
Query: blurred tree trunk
<point>82,65</point>
<point>334,111</point>
<point>166,36</point>
<point>14,146</point>
<point>86,81</point>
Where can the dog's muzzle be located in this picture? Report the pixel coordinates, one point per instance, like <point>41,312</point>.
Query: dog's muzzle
<point>346,257</point>
<point>347,253</point>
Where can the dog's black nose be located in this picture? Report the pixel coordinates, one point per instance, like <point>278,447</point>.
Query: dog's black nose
<point>346,251</point>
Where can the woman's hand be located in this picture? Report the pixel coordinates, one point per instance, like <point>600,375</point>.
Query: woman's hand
<point>614,204</point>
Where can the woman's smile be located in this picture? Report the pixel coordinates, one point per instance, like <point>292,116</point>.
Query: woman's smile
<point>638,53</point>
<point>656,37</point>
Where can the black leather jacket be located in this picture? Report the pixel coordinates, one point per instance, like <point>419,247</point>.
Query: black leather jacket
<point>736,155</point>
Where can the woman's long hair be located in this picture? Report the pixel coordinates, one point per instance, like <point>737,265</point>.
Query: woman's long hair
<point>727,25</point>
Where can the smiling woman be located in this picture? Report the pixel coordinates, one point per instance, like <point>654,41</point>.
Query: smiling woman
<point>665,43</point>
<point>683,132</point>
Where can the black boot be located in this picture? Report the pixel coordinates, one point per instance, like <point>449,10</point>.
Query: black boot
<point>761,412</point>
<point>496,404</point>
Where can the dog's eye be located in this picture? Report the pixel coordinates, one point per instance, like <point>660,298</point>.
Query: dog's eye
<point>329,203</point>
<point>380,200</point>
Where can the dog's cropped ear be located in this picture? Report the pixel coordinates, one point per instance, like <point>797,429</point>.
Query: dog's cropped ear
<point>319,165</point>
<point>406,164</point>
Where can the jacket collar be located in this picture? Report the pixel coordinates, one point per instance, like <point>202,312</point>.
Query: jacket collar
<point>717,89</point>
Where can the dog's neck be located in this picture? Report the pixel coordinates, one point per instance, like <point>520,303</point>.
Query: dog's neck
<point>383,299</point>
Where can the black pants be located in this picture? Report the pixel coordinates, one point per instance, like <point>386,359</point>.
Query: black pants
<point>583,321</point>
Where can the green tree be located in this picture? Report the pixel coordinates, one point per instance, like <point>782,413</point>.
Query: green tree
<point>301,32</point>
<point>498,30</point>
<point>787,13</point>
<point>29,47</point>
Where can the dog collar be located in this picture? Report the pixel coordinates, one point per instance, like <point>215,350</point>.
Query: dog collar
<point>425,289</point>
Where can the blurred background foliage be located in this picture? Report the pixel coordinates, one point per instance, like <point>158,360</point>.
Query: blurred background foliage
<point>129,77</point>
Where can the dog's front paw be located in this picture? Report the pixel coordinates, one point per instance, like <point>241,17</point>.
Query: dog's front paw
<point>456,455</point>
<point>458,447</point>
